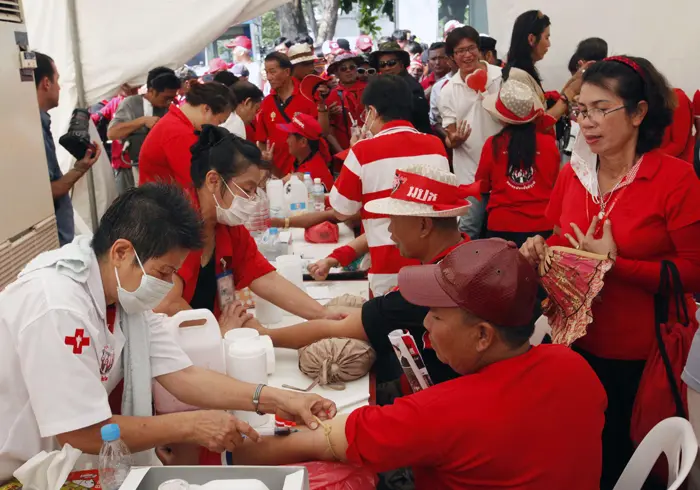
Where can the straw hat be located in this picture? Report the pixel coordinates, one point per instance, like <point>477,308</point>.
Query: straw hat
<point>301,53</point>
<point>426,191</point>
<point>340,59</point>
<point>515,103</point>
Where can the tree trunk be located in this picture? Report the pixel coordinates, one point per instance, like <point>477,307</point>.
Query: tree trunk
<point>311,18</point>
<point>453,10</point>
<point>329,19</point>
<point>291,20</point>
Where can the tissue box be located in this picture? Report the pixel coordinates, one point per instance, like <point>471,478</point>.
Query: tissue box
<point>275,477</point>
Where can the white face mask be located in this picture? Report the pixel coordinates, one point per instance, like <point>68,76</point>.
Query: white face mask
<point>147,296</point>
<point>240,210</point>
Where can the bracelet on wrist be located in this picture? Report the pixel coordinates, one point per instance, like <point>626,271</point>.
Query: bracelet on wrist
<point>256,399</point>
<point>565,98</point>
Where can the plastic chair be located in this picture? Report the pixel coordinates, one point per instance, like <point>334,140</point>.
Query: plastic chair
<point>542,328</point>
<point>674,437</point>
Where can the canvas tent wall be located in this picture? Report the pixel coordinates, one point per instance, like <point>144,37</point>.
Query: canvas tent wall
<point>99,45</point>
<point>664,32</point>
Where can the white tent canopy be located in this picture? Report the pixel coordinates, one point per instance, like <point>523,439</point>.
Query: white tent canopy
<point>116,42</point>
<point>666,33</point>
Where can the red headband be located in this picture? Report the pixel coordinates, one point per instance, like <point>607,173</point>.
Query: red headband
<point>424,190</point>
<point>626,61</point>
<point>504,111</point>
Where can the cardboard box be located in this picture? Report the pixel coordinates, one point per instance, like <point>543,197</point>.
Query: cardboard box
<point>275,477</point>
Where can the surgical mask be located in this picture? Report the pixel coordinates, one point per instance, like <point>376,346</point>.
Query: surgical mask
<point>240,210</point>
<point>147,296</point>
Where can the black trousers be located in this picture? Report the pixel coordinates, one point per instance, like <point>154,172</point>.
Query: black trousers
<point>518,237</point>
<point>621,382</point>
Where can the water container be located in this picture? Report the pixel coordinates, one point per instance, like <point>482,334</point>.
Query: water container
<point>309,183</point>
<point>275,195</point>
<point>247,361</point>
<point>296,196</point>
<point>269,244</point>
<point>267,313</point>
<point>318,195</point>
<point>291,268</point>
<point>245,334</point>
<point>202,344</point>
<point>115,458</point>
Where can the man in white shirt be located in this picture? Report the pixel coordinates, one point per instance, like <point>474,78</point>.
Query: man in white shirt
<point>241,49</point>
<point>64,346</point>
<point>248,99</point>
<point>467,123</point>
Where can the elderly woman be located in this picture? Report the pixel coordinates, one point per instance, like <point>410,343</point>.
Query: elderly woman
<point>623,197</point>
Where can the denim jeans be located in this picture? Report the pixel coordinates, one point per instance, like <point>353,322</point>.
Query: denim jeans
<point>473,223</point>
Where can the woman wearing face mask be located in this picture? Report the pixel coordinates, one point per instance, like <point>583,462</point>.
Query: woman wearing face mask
<point>226,171</point>
<point>165,155</point>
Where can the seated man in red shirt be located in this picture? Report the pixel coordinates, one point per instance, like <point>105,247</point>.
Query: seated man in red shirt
<point>481,430</point>
<point>304,142</point>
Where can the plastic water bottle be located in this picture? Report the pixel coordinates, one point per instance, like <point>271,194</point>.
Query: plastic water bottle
<point>296,196</point>
<point>309,183</point>
<point>115,458</point>
<point>319,195</point>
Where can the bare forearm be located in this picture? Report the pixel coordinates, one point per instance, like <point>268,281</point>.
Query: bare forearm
<point>62,186</point>
<point>282,293</point>
<point>122,130</point>
<point>360,245</point>
<point>305,220</point>
<point>139,433</point>
<point>303,334</point>
<point>558,109</point>
<point>324,121</point>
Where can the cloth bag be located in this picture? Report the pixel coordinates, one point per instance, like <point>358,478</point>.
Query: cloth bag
<point>661,393</point>
<point>332,362</point>
<point>325,232</point>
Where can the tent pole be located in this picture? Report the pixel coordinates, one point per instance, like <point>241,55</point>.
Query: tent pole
<point>82,102</point>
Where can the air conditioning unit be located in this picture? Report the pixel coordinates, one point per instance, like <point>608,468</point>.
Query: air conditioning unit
<point>27,221</point>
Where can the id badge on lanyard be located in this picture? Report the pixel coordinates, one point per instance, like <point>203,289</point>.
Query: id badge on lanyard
<point>225,288</point>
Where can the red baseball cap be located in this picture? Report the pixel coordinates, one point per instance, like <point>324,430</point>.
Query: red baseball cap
<point>241,41</point>
<point>489,278</point>
<point>363,43</point>
<point>217,64</point>
<point>303,125</point>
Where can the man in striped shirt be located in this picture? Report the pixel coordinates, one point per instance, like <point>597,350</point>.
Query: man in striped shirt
<point>368,172</point>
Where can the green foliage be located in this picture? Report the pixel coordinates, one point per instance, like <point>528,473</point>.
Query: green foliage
<point>369,12</point>
<point>270,28</point>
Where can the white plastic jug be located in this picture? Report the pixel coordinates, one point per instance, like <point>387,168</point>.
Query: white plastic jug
<point>291,268</point>
<point>296,196</point>
<point>275,194</point>
<point>246,334</point>
<point>202,344</point>
<point>247,361</point>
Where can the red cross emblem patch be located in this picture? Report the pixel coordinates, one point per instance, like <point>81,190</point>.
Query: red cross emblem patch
<point>78,341</point>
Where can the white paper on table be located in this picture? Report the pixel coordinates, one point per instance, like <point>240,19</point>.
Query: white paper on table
<point>319,292</point>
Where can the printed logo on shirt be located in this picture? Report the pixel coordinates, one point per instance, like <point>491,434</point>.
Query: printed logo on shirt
<point>521,179</point>
<point>78,341</point>
<point>106,362</point>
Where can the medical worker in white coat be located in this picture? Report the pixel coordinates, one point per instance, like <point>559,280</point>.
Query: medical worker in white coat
<point>62,351</point>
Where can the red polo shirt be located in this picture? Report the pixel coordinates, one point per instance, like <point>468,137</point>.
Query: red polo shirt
<point>165,154</point>
<point>655,217</point>
<point>348,98</point>
<point>428,81</point>
<point>234,247</point>
<point>274,112</point>
<point>480,431</point>
<point>519,198</point>
<point>318,168</point>
<point>678,139</point>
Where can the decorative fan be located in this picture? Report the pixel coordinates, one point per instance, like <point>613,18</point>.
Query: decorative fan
<point>572,279</point>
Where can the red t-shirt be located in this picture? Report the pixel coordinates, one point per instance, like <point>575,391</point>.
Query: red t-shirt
<point>270,115</point>
<point>531,422</point>
<point>350,99</point>
<point>518,199</point>
<point>237,249</point>
<point>696,103</point>
<point>678,139</point>
<point>428,81</point>
<point>165,155</point>
<point>318,168</point>
<point>655,217</point>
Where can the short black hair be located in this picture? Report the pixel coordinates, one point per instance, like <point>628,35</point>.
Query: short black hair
<point>445,224</point>
<point>243,90</point>
<point>391,96</point>
<point>156,218</point>
<point>45,68</point>
<point>283,40</point>
<point>282,60</point>
<point>592,49</point>
<point>414,48</point>
<point>633,87</point>
<point>487,43</point>
<point>437,45</point>
<point>385,39</point>
<point>343,44</point>
<point>400,35</point>
<point>214,94</point>
<point>513,337</point>
<point>314,145</point>
<point>161,79</point>
<point>305,40</point>
<point>226,78</point>
<point>225,153</point>
<point>457,35</point>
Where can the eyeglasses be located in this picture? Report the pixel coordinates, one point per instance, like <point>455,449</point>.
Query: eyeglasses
<point>366,71</point>
<point>594,114</point>
<point>389,63</point>
<point>344,68</point>
<point>473,49</point>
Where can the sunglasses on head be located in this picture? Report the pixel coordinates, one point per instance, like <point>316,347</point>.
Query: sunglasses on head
<point>368,71</point>
<point>345,68</point>
<point>389,63</point>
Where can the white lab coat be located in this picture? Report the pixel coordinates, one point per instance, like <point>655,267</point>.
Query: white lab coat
<point>47,386</point>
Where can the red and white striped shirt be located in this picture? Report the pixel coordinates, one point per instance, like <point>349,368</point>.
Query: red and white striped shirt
<point>368,174</point>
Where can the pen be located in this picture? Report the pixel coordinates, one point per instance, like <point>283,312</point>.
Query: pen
<point>276,431</point>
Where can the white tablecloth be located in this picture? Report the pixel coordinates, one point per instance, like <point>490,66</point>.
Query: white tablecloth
<point>317,251</point>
